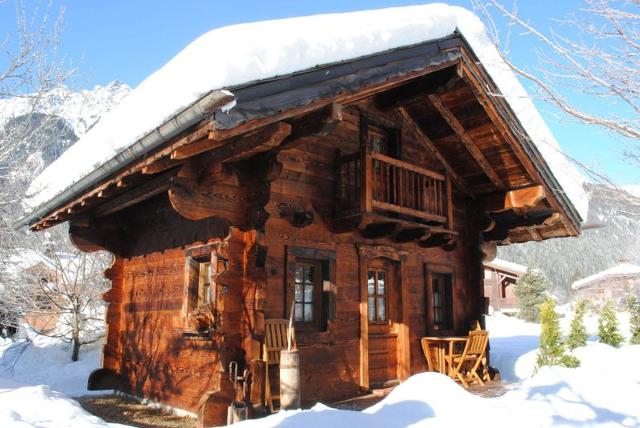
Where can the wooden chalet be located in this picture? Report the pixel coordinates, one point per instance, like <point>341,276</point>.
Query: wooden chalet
<point>500,277</point>
<point>366,192</point>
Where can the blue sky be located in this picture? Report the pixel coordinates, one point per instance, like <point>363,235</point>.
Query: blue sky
<point>128,40</point>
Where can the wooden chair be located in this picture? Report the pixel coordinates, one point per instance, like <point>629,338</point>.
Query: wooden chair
<point>466,365</point>
<point>429,354</point>
<point>275,340</point>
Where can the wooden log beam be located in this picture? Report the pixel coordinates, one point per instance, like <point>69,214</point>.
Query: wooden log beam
<point>412,234</point>
<point>160,165</point>
<point>379,230</point>
<point>439,240</point>
<point>519,200</point>
<point>222,200</point>
<point>426,142</point>
<point>135,195</point>
<point>241,147</point>
<point>321,122</point>
<point>461,133</point>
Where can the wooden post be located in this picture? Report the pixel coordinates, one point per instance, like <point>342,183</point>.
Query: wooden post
<point>364,321</point>
<point>404,342</point>
<point>449,203</point>
<point>366,201</point>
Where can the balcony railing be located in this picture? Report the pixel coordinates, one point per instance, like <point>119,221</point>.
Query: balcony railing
<point>375,183</point>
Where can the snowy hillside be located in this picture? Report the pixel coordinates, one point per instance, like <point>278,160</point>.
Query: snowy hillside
<point>615,221</point>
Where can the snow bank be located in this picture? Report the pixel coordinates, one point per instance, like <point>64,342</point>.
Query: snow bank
<point>38,406</point>
<point>243,53</point>
<point>47,361</point>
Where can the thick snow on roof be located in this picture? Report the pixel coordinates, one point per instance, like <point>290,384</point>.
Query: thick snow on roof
<point>622,269</point>
<point>247,52</point>
<point>506,265</point>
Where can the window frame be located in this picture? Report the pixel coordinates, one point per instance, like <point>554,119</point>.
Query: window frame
<point>448,326</point>
<point>194,302</point>
<point>316,302</point>
<point>376,296</point>
<point>325,307</point>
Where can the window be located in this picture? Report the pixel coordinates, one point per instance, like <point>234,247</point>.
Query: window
<point>308,291</point>
<point>377,288</point>
<point>310,288</point>
<point>204,294</point>
<point>383,139</point>
<point>442,305</point>
<point>204,280</point>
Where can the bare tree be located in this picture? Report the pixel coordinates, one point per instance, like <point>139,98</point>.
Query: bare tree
<point>57,289</point>
<point>31,79</point>
<point>588,64</point>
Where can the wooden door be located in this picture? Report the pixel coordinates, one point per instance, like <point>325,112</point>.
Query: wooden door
<point>382,299</point>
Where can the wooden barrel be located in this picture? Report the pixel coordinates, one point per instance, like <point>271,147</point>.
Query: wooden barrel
<point>289,380</point>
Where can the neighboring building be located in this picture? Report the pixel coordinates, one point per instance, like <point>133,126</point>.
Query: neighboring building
<point>356,167</point>
<point>500,277</point>
<point>611,284</point>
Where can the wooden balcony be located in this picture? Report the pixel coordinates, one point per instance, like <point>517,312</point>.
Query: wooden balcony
<point>372,185</point>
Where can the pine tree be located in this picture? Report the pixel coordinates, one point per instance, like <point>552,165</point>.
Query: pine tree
<point>552,350</point>
<point>608,326</point>
<point>530,291</point>
<point>634,322</point>
<point>578,332</point>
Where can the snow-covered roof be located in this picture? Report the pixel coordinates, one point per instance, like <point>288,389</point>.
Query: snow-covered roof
<point>244,53</point>
<point>506,265</point>
<point>619,270</point>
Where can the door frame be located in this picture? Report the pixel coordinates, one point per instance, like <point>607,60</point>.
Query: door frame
<point>366,254</point>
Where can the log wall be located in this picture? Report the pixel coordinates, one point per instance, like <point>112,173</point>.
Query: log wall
<point>146,320</point>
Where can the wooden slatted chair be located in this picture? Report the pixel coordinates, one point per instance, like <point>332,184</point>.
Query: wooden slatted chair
<point>275,340</point>
<point>466,365</point>
<point>429,354</point>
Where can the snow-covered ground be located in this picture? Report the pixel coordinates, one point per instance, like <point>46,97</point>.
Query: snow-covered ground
<point>604,391</point>
<point>36,379</point>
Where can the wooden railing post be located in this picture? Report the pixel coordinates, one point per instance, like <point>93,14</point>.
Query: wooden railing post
<point>366,201</point>
<point>449,203</point>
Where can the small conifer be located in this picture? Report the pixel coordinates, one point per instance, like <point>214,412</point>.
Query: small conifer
<point>552,350</point>
<point>608,326</point>
<point>530,291</point>
<point>578,332</point>
<point>634,321</point>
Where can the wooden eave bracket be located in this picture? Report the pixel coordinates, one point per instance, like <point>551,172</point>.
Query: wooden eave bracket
<point>519,200</point>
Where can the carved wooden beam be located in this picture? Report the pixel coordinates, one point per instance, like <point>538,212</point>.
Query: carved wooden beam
<point>502,229</point>
<point>426,142</point>
<point>318,123</point>
<point>221,200</point>
<point>461,133</point>
<point>517,200</point>
<point>379,230</point>
<point>439,240</point>
<point>160,165</point>
<point>412,234</point>
<point>135,195</point>
<point>241,147</point>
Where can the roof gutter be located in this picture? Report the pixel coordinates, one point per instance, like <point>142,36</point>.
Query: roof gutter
<point>188,117</point>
